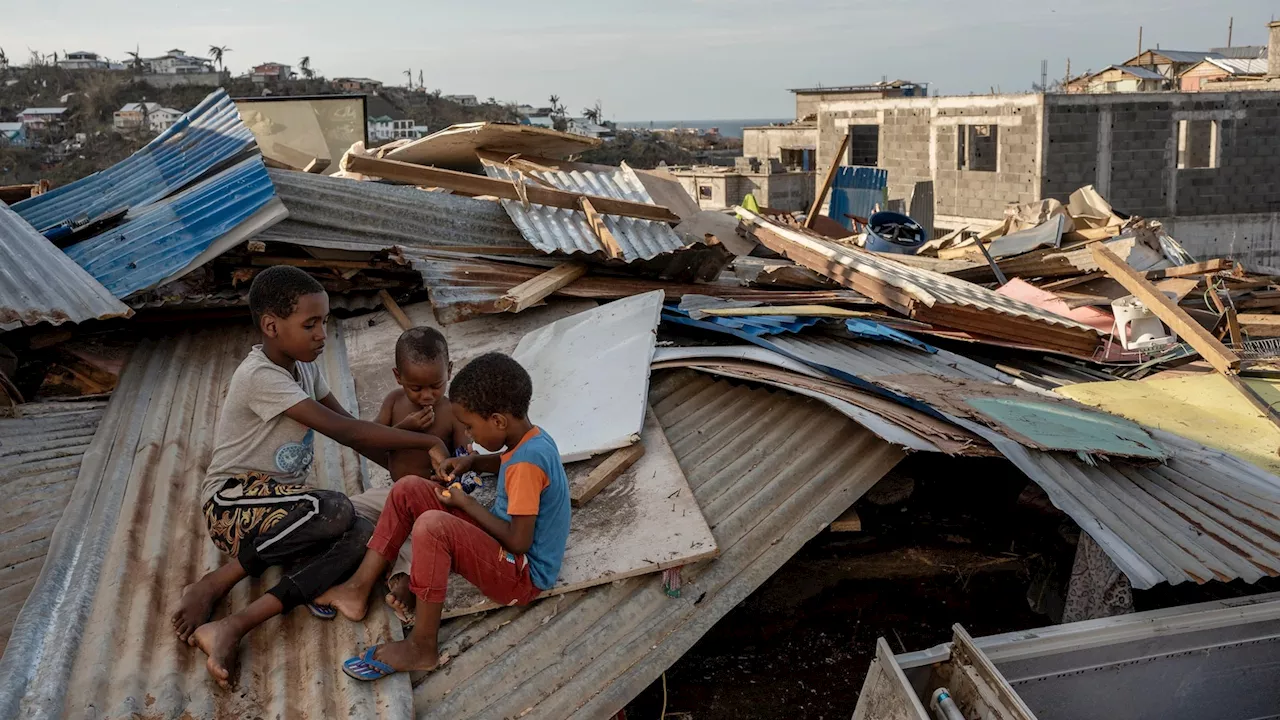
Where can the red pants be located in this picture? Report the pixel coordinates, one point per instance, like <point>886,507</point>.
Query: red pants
<point>447,539</point>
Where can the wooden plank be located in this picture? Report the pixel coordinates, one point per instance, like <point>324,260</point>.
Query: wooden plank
<point>581,492</point>
<point>848,522</point>
<point>533,291</point>
<point>1214,352</point>
<point>803,311</point>
<point>391,306</point>
<point>1200,268</point>
<point>1233,325</point>
<point>826,183</point>
<point>469,184</point>
<point>1260,325</point>
<point>1178,287</point>
<point>317,166</point>
<point>1057,285</point>
<point>1213,295</point>
<point>599,229</point>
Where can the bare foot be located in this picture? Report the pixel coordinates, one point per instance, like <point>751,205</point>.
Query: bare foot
<point>220,641</point>
<point>400,598</point>
<point>193,609</point>
<point>349,599</point>
<point>408,655</point>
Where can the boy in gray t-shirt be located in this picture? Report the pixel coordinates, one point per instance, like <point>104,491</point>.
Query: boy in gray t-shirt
<point>257,507</point>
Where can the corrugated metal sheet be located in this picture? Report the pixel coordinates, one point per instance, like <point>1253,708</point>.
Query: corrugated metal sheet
<point>857,191</point>
<point>553,229</point>
<point>208,137</point>
<point>167,239</point>
<point>39,283</point>
<point>924,286</point>
<point>40,452</point>
<point>1185,56</point>
<point>1138,72</point>
<point>769,469</point>
<point>462,287</point>
<point>1241,66</point>
<point>345,214</point>
<point>1202,515</point>
<point>95,637</point>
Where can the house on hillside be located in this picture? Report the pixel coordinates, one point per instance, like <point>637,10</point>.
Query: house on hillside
<point>387,122</point>
<point>154,116</point>
<point>13,134</point>
<point>177,62</point>
<point>1126,78</point>
<point>84,60</point>
<point>1203,75</point>
<point>584,126</point>
<point>42,118</point>
<point>357,85</point>
<point>465,100</point>
<point>270,72</point>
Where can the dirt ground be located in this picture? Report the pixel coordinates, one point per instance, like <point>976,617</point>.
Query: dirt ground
<point>970,545</point>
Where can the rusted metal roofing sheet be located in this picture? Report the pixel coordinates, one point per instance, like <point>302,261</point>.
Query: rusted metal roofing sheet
<point>762,468</point>
<point>40,452</point>
<point>552,229</point>
<point>924,294</point>
<point>201,141</point>
<point>1202,515</point>
<point>39,283</point>
<point>343,214</point>
<point>94,638</point>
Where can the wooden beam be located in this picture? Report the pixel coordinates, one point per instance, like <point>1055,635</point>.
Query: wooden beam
<point>599,229</point>
<point>847,522</point>
<point>1214,352</point>
<point>605,473</point>
<point>1258,325</point>
<point>392,307</point>
<point>826,184</point>
<point>1200,268</point>
<point>317,166</point>
<point>1233,325</point>
<point>533,291</point>
<point>469,184</point>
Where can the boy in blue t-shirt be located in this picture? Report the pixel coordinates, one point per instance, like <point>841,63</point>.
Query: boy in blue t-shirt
<point>511,554</point>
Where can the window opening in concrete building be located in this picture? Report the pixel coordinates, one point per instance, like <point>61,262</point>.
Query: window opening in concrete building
<point>704,191</point>
<point>864,145</point>
<point>977,147</point>
<point>1198,144</point>
<point>797,158</point>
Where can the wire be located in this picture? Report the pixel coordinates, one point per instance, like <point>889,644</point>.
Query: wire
<point>663,716</point>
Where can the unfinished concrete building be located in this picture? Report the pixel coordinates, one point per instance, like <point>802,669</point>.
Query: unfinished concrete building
<point>772,184</point>
<point>1206,164</point>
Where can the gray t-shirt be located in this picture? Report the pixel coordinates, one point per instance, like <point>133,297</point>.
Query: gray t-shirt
<point>253,434</point>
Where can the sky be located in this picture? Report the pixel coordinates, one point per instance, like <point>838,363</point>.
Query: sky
<point>653,59</point>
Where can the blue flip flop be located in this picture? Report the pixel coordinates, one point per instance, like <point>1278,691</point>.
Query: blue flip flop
<point>324,612</point>
<point>366,668</point>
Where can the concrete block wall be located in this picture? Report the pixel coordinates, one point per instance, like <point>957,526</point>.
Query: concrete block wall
<point>984,195</point>
<point>1143,150</point>
<point>1247,176</point>
<point>904,148</point>
<point>1071,157</point>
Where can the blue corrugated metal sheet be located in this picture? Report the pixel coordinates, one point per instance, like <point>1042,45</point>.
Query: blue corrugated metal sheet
<point>201,141</point>
<point>755,325</point>
<point>873,330</point>
<point>160,241</point>
<point>39,283</point>
<point>856,191</point>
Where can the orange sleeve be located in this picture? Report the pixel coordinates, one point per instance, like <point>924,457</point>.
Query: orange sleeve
<point>525,483</point>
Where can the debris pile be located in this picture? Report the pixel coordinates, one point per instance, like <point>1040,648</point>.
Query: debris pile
<point>792,367</point>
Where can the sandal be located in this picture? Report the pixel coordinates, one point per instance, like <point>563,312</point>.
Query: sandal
<point>324,612</point>
<point>366,668</point>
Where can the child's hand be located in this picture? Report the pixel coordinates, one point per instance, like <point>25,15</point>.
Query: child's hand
<point>451,468</point>
<point>438,457</point>
<point>418,421</point>
<point>451,496</point>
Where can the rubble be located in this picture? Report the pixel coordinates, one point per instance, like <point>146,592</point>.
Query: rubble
<point>724,385</point>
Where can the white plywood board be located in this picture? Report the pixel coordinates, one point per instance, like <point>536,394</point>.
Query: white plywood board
<point>645,521</point>
<point>591,374</point>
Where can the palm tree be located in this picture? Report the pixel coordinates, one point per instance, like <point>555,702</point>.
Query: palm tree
<point>305,66</point>
<point>420,85</point>
<point>136,61</point>
<point>555,102</point>
<point>216,54</point>
<point>592,113</point>
<point>409,74</point>
<point>4,60</point>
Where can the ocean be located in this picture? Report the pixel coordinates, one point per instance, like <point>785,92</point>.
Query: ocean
<point>728,128</point>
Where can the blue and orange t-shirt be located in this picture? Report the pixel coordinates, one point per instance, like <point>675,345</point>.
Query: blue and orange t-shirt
<point>531,481</point>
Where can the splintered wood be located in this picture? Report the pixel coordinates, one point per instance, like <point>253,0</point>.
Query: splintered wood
<point>535,290</point>
<point>606,472</point>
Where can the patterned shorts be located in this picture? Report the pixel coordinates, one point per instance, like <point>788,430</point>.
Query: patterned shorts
<point>229,525</point>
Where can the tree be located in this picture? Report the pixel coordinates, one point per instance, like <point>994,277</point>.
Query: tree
<point>216,53</point>
<point>4,60</point>
<point>305,66</point>
<point>593,113</point>
<point>420,85</point>
<point>135,61</point>
<point>409,74</point>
